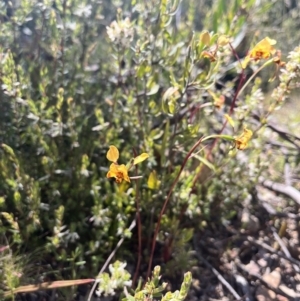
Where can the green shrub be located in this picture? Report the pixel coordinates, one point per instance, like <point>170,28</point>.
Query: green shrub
<point>79,76</point>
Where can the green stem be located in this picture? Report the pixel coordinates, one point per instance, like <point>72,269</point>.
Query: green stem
<point>225,137</point>
<point>254,74</point>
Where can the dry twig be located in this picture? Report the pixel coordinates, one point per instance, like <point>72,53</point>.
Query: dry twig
<point>277,291</point>
<point>217,274</point>
<point>270,209</point>
<point>289,191</point>
<point>272,250</point>
<point>284,248</point>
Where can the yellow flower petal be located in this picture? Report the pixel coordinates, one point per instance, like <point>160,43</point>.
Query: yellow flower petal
<point>140,158</point>
<point>223,40</point>
<point>122,169</point>
<point>229,119</point>
<point>218,100</point>
<point>113,170</point>
<point>205,38</point>
<point>270,41</point>
<point>209,55</point>
<point>242,141</point>
<point>262,50</point>
<point>119,172</point>
<point>153,182</point>
<point>112,154</point>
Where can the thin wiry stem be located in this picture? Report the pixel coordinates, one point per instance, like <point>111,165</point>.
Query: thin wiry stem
<point>166,203</point>
<point>239,88</point>
<point>132,225</point>
<point>139,228</point>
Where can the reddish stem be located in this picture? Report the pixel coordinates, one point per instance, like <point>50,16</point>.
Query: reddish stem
<point>241,82</point>
<point>139,228</point>
<point>166,203</point>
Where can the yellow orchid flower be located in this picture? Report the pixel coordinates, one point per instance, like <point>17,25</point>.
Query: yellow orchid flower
<point>119,172</point>
<point>242,141</point>
<point>262,50</point>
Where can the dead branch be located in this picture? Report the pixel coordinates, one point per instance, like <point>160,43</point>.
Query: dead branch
<point>272,250</point>
<point>284,248</point>
<point>272,211</point>
<point>289,191</point>
<point>284,134</point>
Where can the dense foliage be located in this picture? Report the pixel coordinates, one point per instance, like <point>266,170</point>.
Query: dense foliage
<point>78,76</point>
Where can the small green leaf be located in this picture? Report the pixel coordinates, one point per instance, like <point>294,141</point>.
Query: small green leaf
<point>205,162</point>
<point>154,89</point>
<point>169,100</point>
<point>8,149</point>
